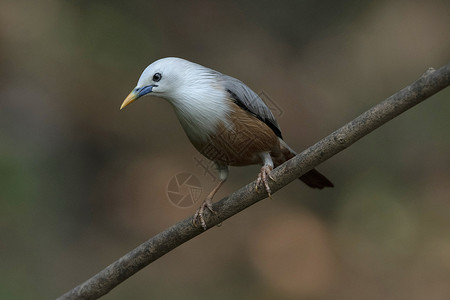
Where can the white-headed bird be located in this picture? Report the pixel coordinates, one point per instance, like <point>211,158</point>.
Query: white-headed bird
<point>224,119</point>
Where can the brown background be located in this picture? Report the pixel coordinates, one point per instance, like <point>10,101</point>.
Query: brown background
<point>82,183</point>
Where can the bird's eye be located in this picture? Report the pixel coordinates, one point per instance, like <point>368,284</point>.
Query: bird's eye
<point>157,77</point>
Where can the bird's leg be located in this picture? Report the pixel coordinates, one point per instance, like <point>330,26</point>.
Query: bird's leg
<point>207,204</point>
<point>223,174</point>
<point>265,173</point>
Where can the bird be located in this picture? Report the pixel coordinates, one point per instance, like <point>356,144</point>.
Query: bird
<point>225,120</point>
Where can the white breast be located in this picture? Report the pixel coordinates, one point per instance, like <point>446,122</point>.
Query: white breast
<point>200,110</point>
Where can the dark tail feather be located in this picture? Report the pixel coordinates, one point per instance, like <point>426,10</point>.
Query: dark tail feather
<point>316,180</point>
<point>313,178</point>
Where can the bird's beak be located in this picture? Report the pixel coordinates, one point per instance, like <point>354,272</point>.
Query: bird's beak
<point>130,98</point>
<point>137,93</point>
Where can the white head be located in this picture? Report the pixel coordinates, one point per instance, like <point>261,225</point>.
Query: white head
<point>196,92</point>
<point>173,79</point>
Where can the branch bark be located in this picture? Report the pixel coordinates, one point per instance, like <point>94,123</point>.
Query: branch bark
<point>431,82</point>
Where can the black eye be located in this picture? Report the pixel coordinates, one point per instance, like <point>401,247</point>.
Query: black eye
<point>157,77</point>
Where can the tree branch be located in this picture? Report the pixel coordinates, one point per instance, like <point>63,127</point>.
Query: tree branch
<point>427,85</point>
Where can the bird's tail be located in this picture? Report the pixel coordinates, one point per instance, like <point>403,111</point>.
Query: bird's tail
<point>313,178</point>
<point>316,180</point>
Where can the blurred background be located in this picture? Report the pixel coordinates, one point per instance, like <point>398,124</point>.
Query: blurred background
<point>82,183</point>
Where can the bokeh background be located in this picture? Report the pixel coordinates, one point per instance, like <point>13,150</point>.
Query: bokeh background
<point>82,183</point>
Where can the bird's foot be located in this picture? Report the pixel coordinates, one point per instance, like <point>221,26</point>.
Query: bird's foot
<point>198,216</point>
<point>262,178</point>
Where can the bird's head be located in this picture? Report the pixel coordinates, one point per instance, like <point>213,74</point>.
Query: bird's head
<point>158,79</point>
<point>168,78</point>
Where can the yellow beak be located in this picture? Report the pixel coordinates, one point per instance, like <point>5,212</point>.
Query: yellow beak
<point>130,98</point>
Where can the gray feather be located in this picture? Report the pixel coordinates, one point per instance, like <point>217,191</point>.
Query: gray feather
<point>250,101</point>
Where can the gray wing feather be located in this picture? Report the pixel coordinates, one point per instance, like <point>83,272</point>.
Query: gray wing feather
<point>249,100</point>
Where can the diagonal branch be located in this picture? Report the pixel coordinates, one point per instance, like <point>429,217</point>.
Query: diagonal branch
<point>427,85</point>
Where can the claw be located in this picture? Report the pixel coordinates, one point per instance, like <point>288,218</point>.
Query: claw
<point>199,213</point>
<point>262,178</point>
<point>206,204</point>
